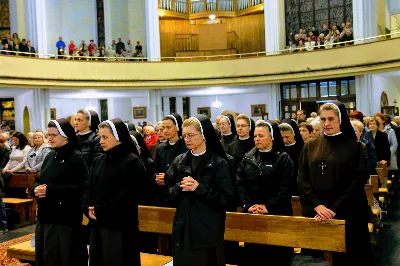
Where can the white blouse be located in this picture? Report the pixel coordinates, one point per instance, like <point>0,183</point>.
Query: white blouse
<point>17,160</point>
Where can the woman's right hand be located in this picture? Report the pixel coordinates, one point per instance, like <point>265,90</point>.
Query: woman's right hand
<point>160,179</point>
<point>324,212</point>
<point>383,162</point>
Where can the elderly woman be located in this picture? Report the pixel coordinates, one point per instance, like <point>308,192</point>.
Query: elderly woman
<point>368,146</point>
<point>380,141</point>
<point>228,130</point>
<point>200,185</point>
<point>29,137</point>
<point>264,182</point>
<point>149,136</point>
<point>37,154</point>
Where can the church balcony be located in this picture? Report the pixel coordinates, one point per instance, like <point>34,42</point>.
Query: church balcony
<point>198,9</point>
<point>238,69</point>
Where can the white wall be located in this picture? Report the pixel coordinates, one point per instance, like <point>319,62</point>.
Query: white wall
<point>387,84</point>
<point>139,101</point>
<point>73,19</point>
<point>122,108</point>
<point>116,20</point>
<point>238,103</point>
<point>137,23</point>
<point>67,107</point>
<point>20,102</point>
<point>393,6</point>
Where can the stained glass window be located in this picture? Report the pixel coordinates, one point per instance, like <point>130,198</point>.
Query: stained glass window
<point>4,18</point>
<point>304,14</point>
<point>101,36</point>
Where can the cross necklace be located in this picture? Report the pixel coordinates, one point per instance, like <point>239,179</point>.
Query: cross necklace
<point>323,164</point>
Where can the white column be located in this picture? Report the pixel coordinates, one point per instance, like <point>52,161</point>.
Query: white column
<point>179,106</point>
<point>167,110</point>
<point>137,23</point>
<point>40,115</point>
<point>272,20</point>
<point>152,30</point>
<point>364,94</point>
<point>41,22</point>
<point>154,109</point>
<point>365,19</point>
<point>17,17</point>
<point>273,99</point>
<point>31,22</point>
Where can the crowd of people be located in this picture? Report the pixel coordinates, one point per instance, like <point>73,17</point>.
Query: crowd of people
<point>326,38</point>
<point>15,46</point>
<point>203,169</point>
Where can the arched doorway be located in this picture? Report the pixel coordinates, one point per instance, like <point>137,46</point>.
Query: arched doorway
<point>27,121</point>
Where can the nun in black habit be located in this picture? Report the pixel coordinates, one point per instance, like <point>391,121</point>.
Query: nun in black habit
<point>86,123</point>
<point>245,142</point>
<point>228,130</point>
<point>59,191</point>
<point>293,145</point>
<point>332,175</point>
<point>111,193</point>
<point>263,182</point>
<point>200,185</point>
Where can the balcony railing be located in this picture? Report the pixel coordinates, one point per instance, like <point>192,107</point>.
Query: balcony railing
<point>188,7</point>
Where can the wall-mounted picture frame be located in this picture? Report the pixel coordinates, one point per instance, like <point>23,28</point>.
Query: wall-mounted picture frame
<point>139,112</point>
<point>53,114</point>
<point>390,110</point>
<point>257,110</point>
<point>205,111</point>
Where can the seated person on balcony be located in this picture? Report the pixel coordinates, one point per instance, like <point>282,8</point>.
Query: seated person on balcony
<point>31,49</point>
<point>313,38</point>
<point>320,41</point>
<point>347,37</point>
<point>139,46</point>
<point>60,46</point>
<point>37,154</point>
<point>83,47</point>
<point>310,44</point>
<point>138,53</point>
<point>329,41</point>
<point>129,49</point>
<point>291,47</point>
<point>6,49</point>
<point>110,52</point>
<point>120,45</point>
<point>71,47</point>
<point>92,46</point>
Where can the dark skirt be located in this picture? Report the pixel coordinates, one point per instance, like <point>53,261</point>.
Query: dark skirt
<point>114,247</point>
<point>256,254</point>
<point>185,255</point>
<point>58,245</point>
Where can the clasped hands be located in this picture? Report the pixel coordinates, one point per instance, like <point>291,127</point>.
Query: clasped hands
<point>258,209</point>
<point>91,213</point>
<point>189,184</point>
<point>323,213</point>
<point>160,179</point>
<point>40,191</point>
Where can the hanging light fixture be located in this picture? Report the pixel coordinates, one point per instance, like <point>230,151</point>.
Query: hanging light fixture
<point>217,104</point>
<point>90,106</point>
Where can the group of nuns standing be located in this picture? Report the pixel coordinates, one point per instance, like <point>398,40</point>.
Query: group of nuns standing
<point>202,175</point>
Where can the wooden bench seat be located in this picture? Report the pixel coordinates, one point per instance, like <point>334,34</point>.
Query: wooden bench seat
<point>288,231</point>
<point>25,208</point>
<point>25,251</point>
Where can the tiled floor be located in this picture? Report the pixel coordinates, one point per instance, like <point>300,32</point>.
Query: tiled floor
<point>387,252</point>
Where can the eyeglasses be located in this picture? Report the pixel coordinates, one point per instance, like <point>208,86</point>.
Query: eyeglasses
<point>190,136</point>
<point>223,124</point>
<point>241,126</point>
<point>52,135</point>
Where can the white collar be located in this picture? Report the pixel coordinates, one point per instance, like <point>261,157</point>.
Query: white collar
<point>82,134</point>
<point>171,143</point>
<point>197,154</point>
<point>336,134</point>
<point>265,150</point>
<point>288,145</point>
<point>227,134</point>
<point>244,138</point>
<point>163,141</point>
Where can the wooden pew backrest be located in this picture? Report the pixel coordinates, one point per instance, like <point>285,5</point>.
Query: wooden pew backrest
<point>370,194</point>
<point>373,180</point>
<point>262,229</point>
<point>296,206</point>
<point>22,180</point>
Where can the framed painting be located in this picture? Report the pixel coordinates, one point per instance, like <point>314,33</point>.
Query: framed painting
<point>205,111</point>
<point>390,110</point>
<point>139,112</point>
<point>53,113</point>
<point>257,109</point>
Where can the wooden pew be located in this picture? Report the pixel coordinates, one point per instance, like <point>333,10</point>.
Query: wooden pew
<point>296,206</point>
<point>299,232</point>
<point>25,208</point>
<point>375,213</point>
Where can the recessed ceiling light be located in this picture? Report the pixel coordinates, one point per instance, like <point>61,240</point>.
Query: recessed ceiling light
<point>212,16</point>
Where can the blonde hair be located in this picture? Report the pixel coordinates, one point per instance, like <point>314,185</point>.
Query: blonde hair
<point>244,117</point>
<point>262,123</point>
<point>330,107</point>
<point>192,121</point>
<point>41,134</point>
<point>358,124</point>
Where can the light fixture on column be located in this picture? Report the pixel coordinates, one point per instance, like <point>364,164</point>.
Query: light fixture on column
<point>90,106</point>
<point>217,104</point>
<point>212,16</point>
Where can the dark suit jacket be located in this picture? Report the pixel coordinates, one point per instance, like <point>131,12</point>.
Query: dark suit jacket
<point>382,147</point>
<point>31,51</point>
<point>4,156</point>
